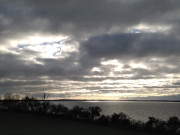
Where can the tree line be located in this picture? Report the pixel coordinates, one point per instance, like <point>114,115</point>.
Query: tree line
<point>92,114</point>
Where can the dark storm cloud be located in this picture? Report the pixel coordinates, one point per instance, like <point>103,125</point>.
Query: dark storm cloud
<point>21,83</point>
<point>132,45</point>
<point>17,67</point>
<point>14,65</point>
<point>101,27</point>
<point>81,17</point>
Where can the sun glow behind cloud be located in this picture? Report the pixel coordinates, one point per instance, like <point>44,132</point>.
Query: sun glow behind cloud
<point>49,46</point>
<point>45,46</point>
<point>142,27</point>
<point>129,50</point>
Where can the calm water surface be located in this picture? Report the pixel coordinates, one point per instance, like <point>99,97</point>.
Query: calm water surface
<point>136,110</point>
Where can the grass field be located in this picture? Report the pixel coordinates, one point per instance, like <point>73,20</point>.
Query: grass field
<point>32,124</point>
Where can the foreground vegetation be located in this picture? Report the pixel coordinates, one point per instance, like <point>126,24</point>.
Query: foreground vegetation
<point>19,123</point>
<point>91,115</point>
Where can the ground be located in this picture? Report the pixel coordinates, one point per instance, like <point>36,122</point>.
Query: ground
<point>32,124</point>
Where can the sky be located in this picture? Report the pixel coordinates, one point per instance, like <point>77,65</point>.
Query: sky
<point>90,49</point>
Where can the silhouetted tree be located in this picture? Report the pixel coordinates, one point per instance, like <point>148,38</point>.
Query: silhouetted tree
<point>35,106</point>
<point>151,123</point>
<point>85,115</point>
<point>32,104</point>
<point>10,101</point>
<point>94,112</point>
<point>76,112</point>
<point>156,125</point>
<point>45,107</point>
<point>27,98</point>
<point>137,125</point>
<point>173,124</point>
<point>53,109</point>
<point>59,109</point>
<point>28,103</point>
<point>104,120</point>
<point>121,120</point>
<point>10,96</point>
<point>161,126</point>
<point>1,106</point>
<point>115,118</point>
<point>45,96</point>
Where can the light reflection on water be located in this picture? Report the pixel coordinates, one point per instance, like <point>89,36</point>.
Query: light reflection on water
<point>135,109</point>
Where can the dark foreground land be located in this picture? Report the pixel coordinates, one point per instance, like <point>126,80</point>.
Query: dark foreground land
<point>12,123</point>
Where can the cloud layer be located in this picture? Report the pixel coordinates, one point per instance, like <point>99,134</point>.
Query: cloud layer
<point>105,49</point>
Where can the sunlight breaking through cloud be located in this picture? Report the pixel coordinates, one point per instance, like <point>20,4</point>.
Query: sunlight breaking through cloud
<point>121,50</point>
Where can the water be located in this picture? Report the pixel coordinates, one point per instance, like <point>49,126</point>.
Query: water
<point>137,110</point>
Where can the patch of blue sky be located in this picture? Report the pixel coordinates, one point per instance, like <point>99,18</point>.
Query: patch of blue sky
<point>136,31</point>
<point>50,43</point>
<point>23,45</point>
<point>58,51</point>
<point>43,43</point>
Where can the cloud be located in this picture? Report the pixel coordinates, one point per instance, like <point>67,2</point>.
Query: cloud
<point>169,97</point>
<point>132,45</point>
<point>78,18</point>
<point>104,43</point>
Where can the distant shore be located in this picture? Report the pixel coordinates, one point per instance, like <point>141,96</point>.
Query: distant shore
<point>113,100</point>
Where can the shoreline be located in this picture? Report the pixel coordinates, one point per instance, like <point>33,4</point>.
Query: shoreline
<point>83,100</point>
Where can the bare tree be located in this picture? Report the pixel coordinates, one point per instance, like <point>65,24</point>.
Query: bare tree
<point>45,96</point>
<point>10,96</point>
<point>94,112</point>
